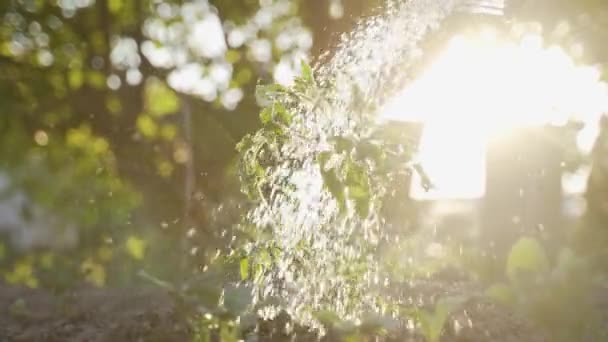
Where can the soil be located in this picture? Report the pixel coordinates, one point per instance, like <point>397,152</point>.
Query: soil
<point>94,315</point>
<point>115,315</point>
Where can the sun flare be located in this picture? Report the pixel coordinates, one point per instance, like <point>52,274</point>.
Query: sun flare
<point>480,86</point>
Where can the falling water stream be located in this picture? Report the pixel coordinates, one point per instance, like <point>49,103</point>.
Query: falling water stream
<point>367,67</point>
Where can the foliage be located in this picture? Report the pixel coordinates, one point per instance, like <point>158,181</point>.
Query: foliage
<point>209,326</point>
<point>527,257</point>
<point>117,123</point>
<point>558,296</point>
<point>94,130</point>
<point>433,322</point>
<point>54,171</point>
<point>353,168</point>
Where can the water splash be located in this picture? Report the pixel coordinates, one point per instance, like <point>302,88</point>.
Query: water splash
<point>320,254</point>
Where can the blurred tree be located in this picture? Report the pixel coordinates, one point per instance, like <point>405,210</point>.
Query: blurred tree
<point>579,26</point>
<point>121,116</point>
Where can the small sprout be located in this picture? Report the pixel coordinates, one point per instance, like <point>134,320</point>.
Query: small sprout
<point>432,323</point>
<point>526,256</point>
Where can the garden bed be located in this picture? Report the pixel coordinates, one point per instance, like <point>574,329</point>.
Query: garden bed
<point>90,314</point>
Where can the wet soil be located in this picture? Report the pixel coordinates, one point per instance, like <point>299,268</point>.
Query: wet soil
<point>99,315</point>
<point>90,315</point>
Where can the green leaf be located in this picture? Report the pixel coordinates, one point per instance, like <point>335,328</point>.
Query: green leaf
<point>228,333</point>
<point>275,114</point>
<point>527,256</point>
<point>427,323</point>
<point>432,322</point>
<point>244,144</point>
<point>282,114</point>
<point>244,268</point>
<point>327,317</point>
<point>136,247</point>
<point>266,115</point>
<point>307,72</point>
<point>359,192</point>
<point>267,91</point>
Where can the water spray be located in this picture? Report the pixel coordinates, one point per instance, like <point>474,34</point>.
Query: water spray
<point>324,255</point>
<point>483,7</point>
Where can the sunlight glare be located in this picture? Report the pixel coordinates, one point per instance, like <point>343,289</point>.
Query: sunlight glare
<point>480,86</point>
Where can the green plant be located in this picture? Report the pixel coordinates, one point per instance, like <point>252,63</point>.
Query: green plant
<point>527,258</point>
<point>206,327</point>
<point>433,322</point>
<point>558,296</point>
<point>353,164</point>
<point>319,141</point>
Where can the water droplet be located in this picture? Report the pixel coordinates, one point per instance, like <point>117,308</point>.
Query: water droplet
<point>311,231</point>
<point>191,232</point>
<point>457,327</point>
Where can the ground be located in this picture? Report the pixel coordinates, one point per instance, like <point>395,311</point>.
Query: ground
<point>89,314</point>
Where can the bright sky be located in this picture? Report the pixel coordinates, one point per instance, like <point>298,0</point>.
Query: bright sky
<point>480,86</point>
